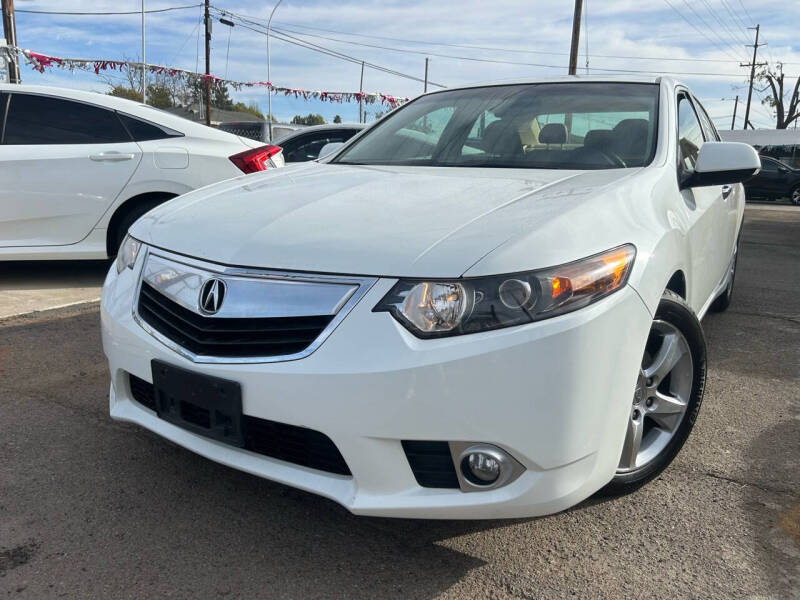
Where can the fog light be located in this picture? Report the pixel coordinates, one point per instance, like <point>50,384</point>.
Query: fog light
<point>481,468</point>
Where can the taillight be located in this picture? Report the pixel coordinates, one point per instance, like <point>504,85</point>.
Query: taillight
<point>257,159</point>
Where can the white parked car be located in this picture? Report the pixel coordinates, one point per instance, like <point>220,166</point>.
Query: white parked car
<point>77,168</point>
<point>485,305</point>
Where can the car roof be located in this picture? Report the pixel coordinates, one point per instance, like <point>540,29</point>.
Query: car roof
<point>569,79</point>
<point>130,107</point>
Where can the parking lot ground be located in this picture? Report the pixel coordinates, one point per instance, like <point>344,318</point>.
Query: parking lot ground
<point>90,508</point>
<point>29,286</point>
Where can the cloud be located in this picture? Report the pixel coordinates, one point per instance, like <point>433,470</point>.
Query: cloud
<point>536,33</point>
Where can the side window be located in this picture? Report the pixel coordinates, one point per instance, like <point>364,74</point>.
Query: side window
<point>705,121</point>
<point>34,119</point>
<point>142,131</point>
<point>309,146</point>
<point>768,165</point>
<point>690,134</point>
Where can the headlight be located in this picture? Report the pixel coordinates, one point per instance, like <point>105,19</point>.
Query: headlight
<point>126,255</point>
<point>443,308</point>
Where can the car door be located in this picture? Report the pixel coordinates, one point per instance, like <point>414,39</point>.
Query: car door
<point>62,164</point>
<point>732,205</point>
<point>708,221</point>
<point>773,178</point>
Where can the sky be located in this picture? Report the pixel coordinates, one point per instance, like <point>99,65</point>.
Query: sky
<point>701,42</point>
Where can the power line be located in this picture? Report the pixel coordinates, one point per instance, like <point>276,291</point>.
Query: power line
<point>329,52</point>
<point>735,17</point>
<point>716,17</point>
<point>506,62</point>
<point>709,27</point>
<point>698,30</point>
<point>499,61</point>
<point>284,25</point>
<point>104,13</point>
<point>747,14</point>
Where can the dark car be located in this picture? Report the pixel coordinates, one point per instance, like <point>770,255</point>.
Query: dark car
<point>304,145</point>
<point>775,180</point>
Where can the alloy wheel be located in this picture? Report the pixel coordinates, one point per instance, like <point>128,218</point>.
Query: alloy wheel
<point>662,395</point>
<point>796,196</point>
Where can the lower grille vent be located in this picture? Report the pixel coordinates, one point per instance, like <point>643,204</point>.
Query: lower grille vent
<point>431,463</point>
<point>297,445</point>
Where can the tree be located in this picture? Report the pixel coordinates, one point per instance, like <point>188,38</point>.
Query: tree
<point>121,91</point>
<point>787,107</point>
<point>250,109</point>
<point>310,119</point>
<point>159,95</point>
<point>337,119</point>
<point>220,98</point>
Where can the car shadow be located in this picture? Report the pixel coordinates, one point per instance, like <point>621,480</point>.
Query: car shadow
<point>52,274</point>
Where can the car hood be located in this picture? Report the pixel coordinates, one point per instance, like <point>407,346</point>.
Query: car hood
<point>367,220</point>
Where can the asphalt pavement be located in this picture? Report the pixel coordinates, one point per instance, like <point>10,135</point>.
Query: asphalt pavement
<point>91,508</point>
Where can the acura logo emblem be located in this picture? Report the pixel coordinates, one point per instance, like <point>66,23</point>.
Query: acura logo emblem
<point>212,293</point>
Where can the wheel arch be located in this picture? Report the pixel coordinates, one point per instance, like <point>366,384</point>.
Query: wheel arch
<point>125,208</point>
<point>677,283</point>
<point>667,267</point>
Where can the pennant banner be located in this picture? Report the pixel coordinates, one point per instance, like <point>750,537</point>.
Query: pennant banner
<point>40,62</point>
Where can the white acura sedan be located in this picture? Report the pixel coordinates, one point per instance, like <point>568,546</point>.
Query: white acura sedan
<point>486,305</point>
<point>77,168</point>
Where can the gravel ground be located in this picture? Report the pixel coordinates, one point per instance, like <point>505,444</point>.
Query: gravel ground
<point>90,508</point>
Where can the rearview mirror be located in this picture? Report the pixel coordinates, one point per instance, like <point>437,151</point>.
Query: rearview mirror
<point>721,163</point>
<point>329,149</point>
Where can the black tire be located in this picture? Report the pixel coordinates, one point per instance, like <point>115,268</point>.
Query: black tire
<point>130,216</point>
<point>723,301</point>
<point>674,310</point>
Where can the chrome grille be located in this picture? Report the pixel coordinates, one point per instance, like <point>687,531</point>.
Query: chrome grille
<point>232,337</point>
<point>265,316</point>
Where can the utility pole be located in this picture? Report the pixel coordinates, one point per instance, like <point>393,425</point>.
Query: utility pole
<point>576,37</point>
<point>10,31</point>
<point>269,80</point>
<point>425,89</point>
<point>361,96</point>
<point>208,64</point>
<point>752,66</point>
<point>735,106</point>
<point>144,63</point>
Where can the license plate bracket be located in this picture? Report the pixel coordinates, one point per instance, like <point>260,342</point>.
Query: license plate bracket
<point>206,405</point>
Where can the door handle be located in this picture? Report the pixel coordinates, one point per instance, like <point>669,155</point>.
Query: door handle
<point>110,157</point>
<point>726,191</point>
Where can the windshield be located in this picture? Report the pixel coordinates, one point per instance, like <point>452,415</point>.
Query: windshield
<point>586,125</point>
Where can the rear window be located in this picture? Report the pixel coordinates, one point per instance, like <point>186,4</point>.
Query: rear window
<point>34,119</point>
<point>142,131</point>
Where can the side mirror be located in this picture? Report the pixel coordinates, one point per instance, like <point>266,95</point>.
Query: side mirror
<point>329,149</point>
<point>721,163</point>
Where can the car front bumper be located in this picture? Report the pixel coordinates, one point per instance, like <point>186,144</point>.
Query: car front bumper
<point>555,394</point>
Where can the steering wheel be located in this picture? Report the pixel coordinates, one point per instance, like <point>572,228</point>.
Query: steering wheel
<point>613,157</point>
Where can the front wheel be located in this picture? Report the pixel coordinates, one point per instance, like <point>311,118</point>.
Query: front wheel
<point>667,398</point>
<point>796,196</point>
